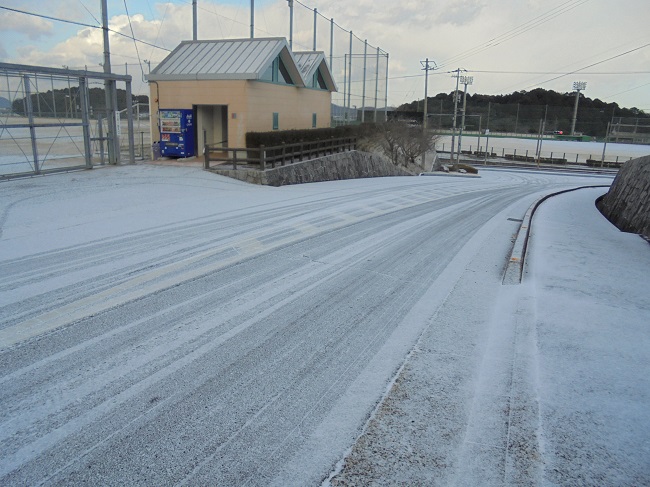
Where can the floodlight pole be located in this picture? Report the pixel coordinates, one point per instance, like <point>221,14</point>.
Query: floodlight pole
<point>453,129</point>
<point>466,80</point>
<point>578,86</point>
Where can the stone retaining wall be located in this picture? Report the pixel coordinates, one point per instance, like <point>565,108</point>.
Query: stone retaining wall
<point>627,203</point>
<point>344,165</point>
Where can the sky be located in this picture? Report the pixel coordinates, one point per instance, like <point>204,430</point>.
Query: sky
<point>505,45</point>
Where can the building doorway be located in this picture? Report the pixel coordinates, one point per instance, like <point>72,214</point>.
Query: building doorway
<point>211,125</point>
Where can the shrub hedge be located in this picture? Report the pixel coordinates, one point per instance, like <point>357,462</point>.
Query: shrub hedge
<point>280,137</point>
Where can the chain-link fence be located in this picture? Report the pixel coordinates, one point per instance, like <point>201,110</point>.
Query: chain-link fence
<point>525,119</point>
<point>360,69</point>
<point>56,119</point>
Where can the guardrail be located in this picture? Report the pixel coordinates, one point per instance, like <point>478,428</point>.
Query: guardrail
<point>272,156</point>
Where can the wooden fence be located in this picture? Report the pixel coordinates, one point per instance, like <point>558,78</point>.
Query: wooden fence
<point>277,155</point>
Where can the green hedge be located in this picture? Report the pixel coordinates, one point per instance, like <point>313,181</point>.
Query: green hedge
<point>280,137</point>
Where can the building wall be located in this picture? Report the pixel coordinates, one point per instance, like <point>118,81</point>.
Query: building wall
<point>251,105</point>
<point>185,94</point>
<point>295,107</point>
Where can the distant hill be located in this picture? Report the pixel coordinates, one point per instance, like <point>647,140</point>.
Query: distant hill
<point>60,100</point>
<point>522,111</point>
<point>4,103</point>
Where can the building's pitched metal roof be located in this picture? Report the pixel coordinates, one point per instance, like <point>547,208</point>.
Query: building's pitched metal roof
<point>309,61</point>
<point>246,59</point>
<point>225,59</point>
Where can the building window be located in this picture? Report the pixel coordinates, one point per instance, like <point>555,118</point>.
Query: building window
<point>277,73</point>
<point>276,121</point>
<point>313,120</point>
<point>318,81</point>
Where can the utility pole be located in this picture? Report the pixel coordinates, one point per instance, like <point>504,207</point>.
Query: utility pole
<point>453,129</point>
<point>426,68</point>
<point>110,94</point>
<point>466,80</point>
<point>578,86</point>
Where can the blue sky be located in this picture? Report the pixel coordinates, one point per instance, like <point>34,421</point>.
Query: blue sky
<point>507,45</point>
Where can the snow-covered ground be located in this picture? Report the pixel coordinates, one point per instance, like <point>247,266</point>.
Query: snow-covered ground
<point>542,383</point>
<point>550,148</point>
<point>166,325</point>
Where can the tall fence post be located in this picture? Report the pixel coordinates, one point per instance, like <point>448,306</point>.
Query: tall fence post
<point>363,90</point>
<point>234,159</point>
<point>262,158</point>
<point>129,121</point>
<point>206,154</point>
<point>85,120</point>
<point>30,116</point>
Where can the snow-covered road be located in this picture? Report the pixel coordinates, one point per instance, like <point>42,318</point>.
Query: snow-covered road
<point>168,326</point>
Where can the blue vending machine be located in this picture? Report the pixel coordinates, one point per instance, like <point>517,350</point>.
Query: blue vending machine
<point>176,133</point>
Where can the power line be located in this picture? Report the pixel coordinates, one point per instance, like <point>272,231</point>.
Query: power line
<point>609,73</point>
<point>80,24</point>
<point>512,33</point>
<point>592,65</point>
<point>89,12</point>
<point>135,44</point>
<point>626,91</point>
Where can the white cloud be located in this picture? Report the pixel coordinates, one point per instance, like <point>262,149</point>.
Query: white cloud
<point>453,33</point>
<point>32,27</point>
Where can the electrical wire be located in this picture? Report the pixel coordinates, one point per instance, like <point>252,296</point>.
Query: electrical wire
<point>82,24</point>
<point>592,65</point>
<point>627,91</point>
<point>515,32</point>
<point>135,44</point>
<point>91,14</point>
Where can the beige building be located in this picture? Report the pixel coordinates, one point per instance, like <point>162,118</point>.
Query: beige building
<point>237,86</point>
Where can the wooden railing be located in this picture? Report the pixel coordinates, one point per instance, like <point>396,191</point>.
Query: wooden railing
<point>277,155</point>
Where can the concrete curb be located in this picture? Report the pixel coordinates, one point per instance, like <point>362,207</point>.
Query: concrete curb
<point>452,175</point>
<point>515,267</point>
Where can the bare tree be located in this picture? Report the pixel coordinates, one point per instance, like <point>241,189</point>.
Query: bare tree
<point>403,143</point>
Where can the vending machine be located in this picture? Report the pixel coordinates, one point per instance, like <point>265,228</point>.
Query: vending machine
<point>176,133</point>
